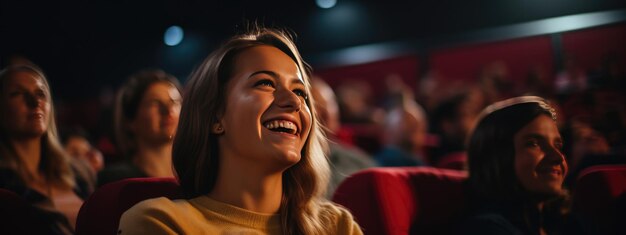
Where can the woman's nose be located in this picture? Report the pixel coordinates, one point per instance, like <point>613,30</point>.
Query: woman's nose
<point>287,99</point>
<point>169,108</point>
<point>32,100</point>
<point>555,156</point>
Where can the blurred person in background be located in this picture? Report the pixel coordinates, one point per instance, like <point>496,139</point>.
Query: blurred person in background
<point>353,97</point>
<point>571,79</point>
<point>404,136</point>
<point>33,163</point>
<point>587,147</point>
<point>78,145</point>
<point>344,159</point>
<point>452,121</point>
<point>495,81</point>
<point>146,118</point>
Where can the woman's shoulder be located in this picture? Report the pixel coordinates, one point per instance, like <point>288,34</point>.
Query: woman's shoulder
<point>154,216</point>
<point>160,204</point>
<point>343,220</point>
<point>330,208</point>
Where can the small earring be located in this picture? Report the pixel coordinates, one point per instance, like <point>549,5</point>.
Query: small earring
<point>217,129</point>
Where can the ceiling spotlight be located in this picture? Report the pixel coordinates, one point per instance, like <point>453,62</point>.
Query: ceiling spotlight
<point>173,35</point>
<point>326,3</point>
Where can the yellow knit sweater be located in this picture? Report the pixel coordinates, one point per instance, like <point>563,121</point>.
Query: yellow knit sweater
<point>203,215</point>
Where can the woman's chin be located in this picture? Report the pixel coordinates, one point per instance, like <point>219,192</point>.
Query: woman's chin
<point>289,159</point>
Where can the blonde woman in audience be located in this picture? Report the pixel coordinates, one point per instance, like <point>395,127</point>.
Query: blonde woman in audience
<point>32,161</point>
<point>249,150</point>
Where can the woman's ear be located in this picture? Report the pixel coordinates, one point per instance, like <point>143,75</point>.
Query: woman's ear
<point>217,128</point>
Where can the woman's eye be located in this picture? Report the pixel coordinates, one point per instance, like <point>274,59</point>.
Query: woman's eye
<point>41,94</point>
<point>532,143</point>
<point>300,92</point>
<point>14,93</point>
<point>559,145</point>
<point>265,82</point>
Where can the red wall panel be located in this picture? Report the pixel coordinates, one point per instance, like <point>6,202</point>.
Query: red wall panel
<point>519,56</point>
<point>590,46</point>
<point>374,73</point>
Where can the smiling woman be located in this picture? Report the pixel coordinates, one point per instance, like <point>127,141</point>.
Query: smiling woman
<point>517,170</point>
<point>249,152</point>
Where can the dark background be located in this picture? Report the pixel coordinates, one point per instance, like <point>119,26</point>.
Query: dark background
<point>87,46</point>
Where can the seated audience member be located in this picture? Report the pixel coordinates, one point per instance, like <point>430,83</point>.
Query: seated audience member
<point>146,118</point>
<point>404,136</point>
<point>516,170</point>
<point>453,120</point>
<point>32,161</point>
<point>495,81</point>
<point>249,150</point>
<point>354,100</point>
<point>76,143</point>
<point>587,147</point>
<point>344,159</point>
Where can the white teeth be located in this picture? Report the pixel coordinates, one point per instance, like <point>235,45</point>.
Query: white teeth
<point>282,124</point>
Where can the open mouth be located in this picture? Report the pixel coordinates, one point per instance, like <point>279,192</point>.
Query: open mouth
<point>36,115</point>
<point>283,126</point>
<point>551,171</point>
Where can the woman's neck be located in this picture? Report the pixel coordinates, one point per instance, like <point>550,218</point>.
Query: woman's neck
<point>29,151</point>
<point>155,161</point>
<point>249,186</point>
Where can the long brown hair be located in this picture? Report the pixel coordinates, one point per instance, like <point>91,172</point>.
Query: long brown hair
<point>195,150</point>
<point>491,156</point>
<point>55,163</point>
<point>491,151</point>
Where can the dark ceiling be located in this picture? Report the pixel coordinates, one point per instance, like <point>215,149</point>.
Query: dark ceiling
<point>86,45</point>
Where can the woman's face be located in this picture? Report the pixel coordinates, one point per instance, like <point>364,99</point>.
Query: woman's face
<point>25,105</point>
<point>157,117</point>
<point>539,164</point>
<point>266,116</point>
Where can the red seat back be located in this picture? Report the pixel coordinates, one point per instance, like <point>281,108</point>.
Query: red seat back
<point>405,200</point>
<point>600,198</point>
<point>101,212</point>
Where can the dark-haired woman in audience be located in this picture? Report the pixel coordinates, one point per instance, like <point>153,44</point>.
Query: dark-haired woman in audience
<point>146,118</point>
<point>32,161</point>
<point>517,170</point>
<point>249,149</point>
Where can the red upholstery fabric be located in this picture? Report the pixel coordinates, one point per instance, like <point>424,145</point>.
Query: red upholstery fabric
<point>100,214</point>
<point>600,198</point>
<point>404,200</point>
<point>454,161</point>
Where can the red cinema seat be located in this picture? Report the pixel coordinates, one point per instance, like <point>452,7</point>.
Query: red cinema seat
<point>405,200</point>
<point>454,161</point>
<point>600,199</point>
<point>101,212</point>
